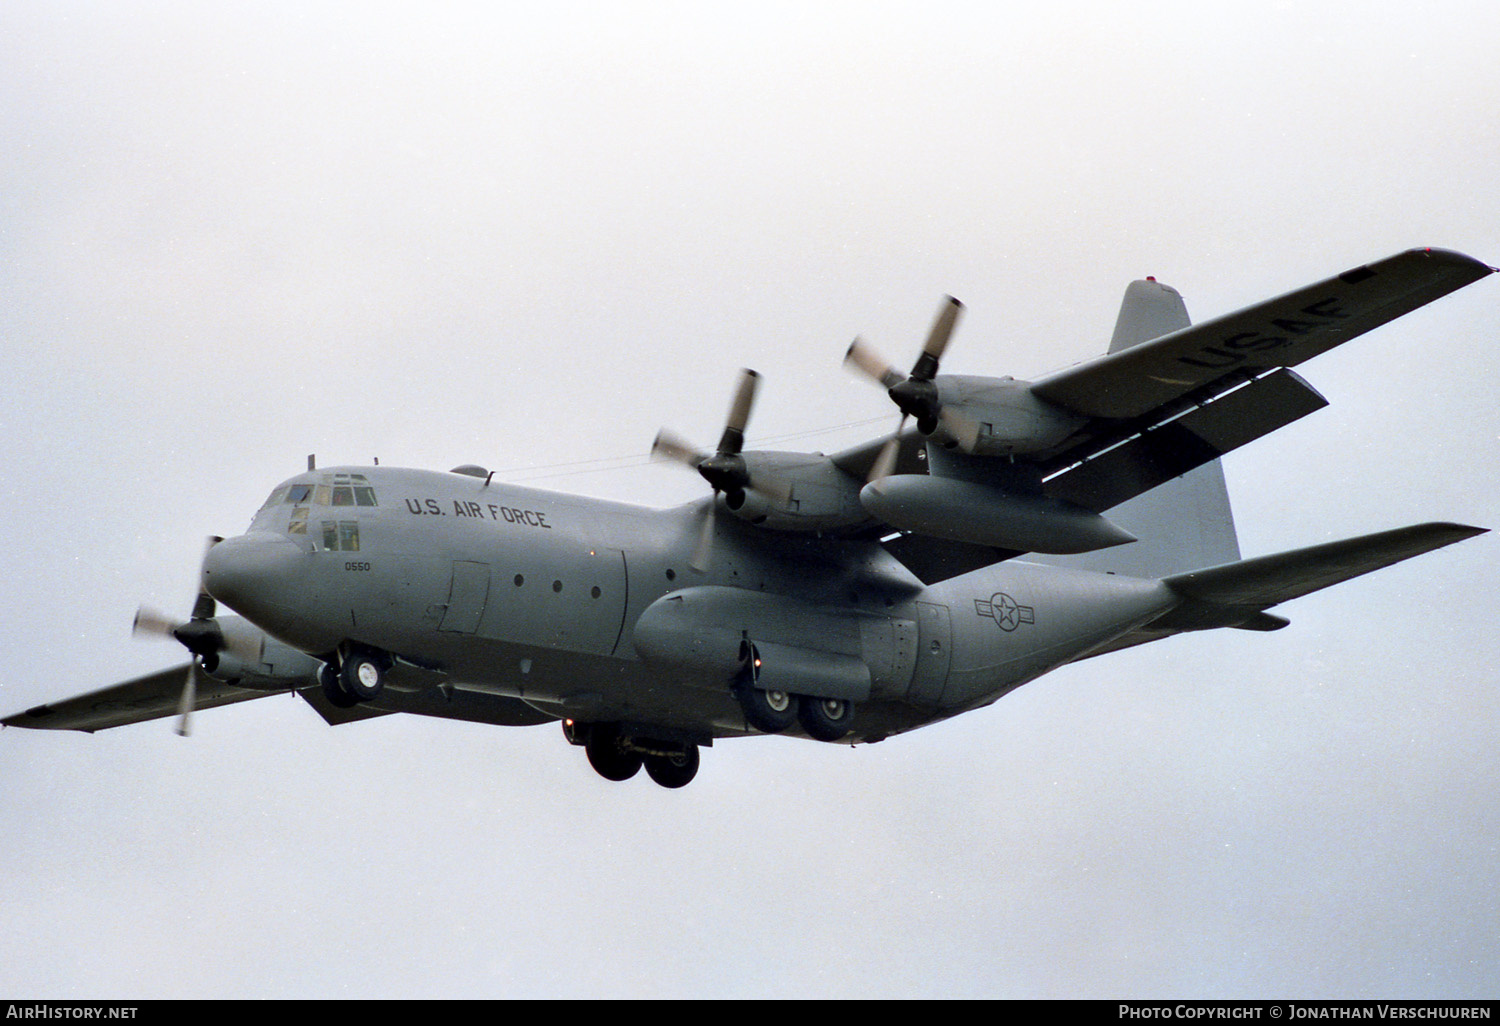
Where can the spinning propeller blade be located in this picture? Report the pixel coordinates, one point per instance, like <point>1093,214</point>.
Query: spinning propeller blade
<point>914,394</point>
<point>200,634</point>
<point>187,701</point>
<point>725,468</point>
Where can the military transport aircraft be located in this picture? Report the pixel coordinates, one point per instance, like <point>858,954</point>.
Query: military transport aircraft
<point>842,598</point>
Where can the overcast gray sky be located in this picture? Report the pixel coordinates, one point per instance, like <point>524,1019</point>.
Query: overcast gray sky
<point>525,235</point>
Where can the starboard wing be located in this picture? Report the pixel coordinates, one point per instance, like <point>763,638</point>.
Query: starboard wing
<point>1281,332</point>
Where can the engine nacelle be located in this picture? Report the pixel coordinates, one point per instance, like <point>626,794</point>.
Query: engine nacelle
<point>1005,418</point>
<point>800,492</point>
<point>277,668</point>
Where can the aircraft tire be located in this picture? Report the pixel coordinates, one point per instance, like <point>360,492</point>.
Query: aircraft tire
<point>825,719</point>
<point>769,712</point>
<point>609,759</point>
<point>333,688</point>
<point>673,770</point>
<point>363,674</point>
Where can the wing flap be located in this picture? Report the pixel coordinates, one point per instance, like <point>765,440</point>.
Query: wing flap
<point>1281,332</point>
<point>1161,452</point>
<point>934,560</point>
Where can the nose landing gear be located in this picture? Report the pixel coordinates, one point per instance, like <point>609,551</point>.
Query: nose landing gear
<point>359,676</point>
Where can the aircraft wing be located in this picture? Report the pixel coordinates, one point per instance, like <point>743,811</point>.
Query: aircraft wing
<point>1281,332</point>
<point>911,455</point>
<point>145,698</point>
<point>453,704</point>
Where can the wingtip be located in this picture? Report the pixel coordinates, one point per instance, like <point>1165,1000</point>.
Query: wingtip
<point>1445,533</point>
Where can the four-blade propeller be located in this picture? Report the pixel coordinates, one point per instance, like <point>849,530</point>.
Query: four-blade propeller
<point>725,468</point>
<point>915,394</point>
<point>201,635</point>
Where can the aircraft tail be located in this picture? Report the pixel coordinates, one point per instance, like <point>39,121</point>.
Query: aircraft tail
<point>1185,523</point>
<point>1237,594</point>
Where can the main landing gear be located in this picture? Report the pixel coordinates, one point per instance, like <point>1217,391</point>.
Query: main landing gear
<point>358,677</point>
<point>772,711</point>
<point>618,754</point>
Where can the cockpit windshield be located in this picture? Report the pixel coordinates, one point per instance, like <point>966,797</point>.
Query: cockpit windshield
<point>349,491</point>
<point>332,490</point>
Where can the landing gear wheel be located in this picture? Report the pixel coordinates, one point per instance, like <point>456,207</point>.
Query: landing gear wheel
<point>825,719</point>
<point>363,674</point>
<point>769,712</point>
<point>610,759</point>
<point>676,770</point>
<point>333,688</point>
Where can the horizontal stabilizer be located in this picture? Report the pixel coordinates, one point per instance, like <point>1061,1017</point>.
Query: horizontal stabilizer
<point>1234,594</point>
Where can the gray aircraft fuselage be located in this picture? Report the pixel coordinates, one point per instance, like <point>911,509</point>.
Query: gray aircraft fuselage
<point>589,609</point>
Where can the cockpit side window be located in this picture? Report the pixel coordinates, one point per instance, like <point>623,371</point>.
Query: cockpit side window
<point>341,535</point>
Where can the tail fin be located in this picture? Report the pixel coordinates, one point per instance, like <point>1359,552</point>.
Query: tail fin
<point>1185,523</point>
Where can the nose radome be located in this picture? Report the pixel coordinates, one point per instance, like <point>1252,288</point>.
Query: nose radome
<point>250,573</point>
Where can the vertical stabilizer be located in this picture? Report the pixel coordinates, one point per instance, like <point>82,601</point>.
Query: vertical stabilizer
<point>1184,524</point>
<point>1150,310</point>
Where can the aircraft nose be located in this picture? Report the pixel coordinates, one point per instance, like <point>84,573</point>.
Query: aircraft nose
<point>250,573</point>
